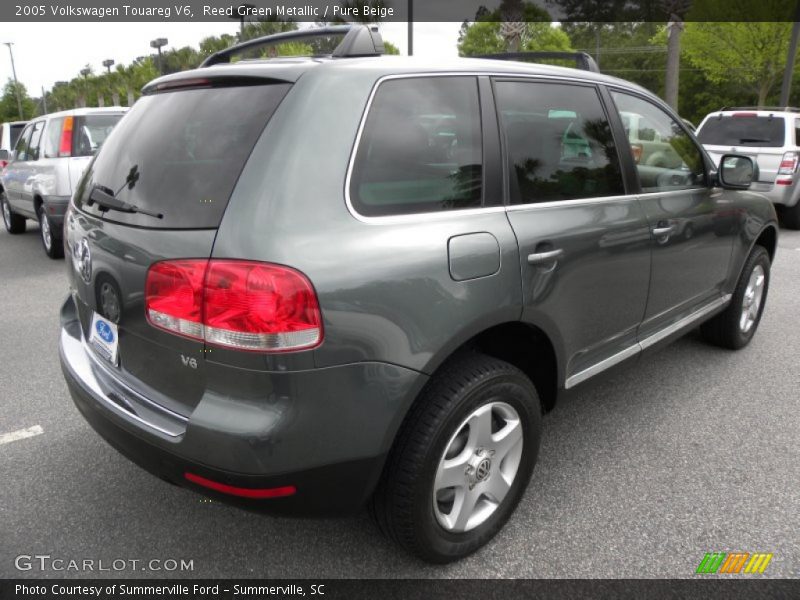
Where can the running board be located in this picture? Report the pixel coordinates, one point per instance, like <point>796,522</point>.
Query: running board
<point>647,342</point>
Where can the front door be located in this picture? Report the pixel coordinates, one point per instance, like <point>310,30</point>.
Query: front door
<point>691,224</point>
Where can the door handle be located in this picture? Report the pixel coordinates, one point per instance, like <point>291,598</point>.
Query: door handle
<point>660,231</point>
<point>543,257</point>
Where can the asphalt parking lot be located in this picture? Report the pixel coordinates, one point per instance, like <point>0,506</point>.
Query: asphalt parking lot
<point>692,450</point>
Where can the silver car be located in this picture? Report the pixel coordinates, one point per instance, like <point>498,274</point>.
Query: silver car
<point>48,159</point>
<point>770,137</point>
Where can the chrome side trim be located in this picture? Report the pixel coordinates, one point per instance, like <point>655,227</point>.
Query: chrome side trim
<point>649,341</point>
<point>447,214</point>
<point>685,322</point>
<point>604,364</point>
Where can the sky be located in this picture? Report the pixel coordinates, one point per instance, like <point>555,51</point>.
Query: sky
<point>48,52</point>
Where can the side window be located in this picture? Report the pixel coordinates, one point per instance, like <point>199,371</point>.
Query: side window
<point>666,157</point>
<point>559,142</point>
<point>33,152</point>
<point>21,149</point>
<point>797,132</point>
<point>52,138</point>
<point>421,148</point>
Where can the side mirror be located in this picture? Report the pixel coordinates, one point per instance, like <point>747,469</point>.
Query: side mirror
<point>736,172</point>
<point>4,154</point>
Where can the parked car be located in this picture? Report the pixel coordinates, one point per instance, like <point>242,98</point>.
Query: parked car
<point>9,132</point>
<point>48,159</point>
<point>307,286</point>
<point>770,137</point>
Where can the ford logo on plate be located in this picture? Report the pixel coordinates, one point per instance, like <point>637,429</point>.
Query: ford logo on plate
<point>104,331</point>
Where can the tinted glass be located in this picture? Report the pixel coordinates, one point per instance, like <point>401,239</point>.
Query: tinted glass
<point>666,157</point>
<point>15,131</point>
<point>181,153</point>
<point>36,137</point>
<point>421,148</point>
<point>52,138</point>
<point>90,131</point>
<point>559,142</point>
<point>21,150</point>
<point>743,130</point>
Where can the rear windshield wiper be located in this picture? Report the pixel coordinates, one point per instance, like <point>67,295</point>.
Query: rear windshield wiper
<point>107,201</point>
<point>753,141</point>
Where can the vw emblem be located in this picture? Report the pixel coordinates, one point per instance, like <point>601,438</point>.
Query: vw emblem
<point>483,470</point>
<point>82,259</point>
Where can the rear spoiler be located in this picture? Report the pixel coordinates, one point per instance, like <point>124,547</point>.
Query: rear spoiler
<point>359,40</point>
<point>582,60</point>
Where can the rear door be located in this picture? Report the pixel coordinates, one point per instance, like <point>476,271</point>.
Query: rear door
<point>691,223</point>
<point>584,244</point>
<point>178,154</point>
<point>28,171</point>
<point>14,175</point>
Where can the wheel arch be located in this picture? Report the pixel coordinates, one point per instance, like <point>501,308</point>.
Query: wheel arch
<point>526,346</point>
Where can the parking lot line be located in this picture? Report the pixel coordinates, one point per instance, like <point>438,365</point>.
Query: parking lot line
<point>20,434</point>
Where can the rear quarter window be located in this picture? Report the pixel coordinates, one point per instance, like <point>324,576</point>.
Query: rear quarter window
<point>421,148</point>
<point>743,130</point>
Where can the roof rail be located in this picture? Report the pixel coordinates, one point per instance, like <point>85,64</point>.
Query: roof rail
<point>778,108</point>
<point>582,60</point>
<point>359,40</point>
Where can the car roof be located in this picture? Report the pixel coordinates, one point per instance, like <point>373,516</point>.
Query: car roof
<point>80,112</point>
<point>291,69</point>
<point>15,122</point>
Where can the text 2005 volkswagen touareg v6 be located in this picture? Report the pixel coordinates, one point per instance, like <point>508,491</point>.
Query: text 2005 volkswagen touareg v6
<point>313,285</point>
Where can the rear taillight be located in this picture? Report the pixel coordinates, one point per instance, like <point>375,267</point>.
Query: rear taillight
<point>234,303</point>
<point>174,296</point>
<point>65,147</point>
<point>3,164</point>
<point>788,164</point>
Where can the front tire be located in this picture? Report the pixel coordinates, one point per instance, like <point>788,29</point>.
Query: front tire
<point>735,326</point>
<point>14,223</point>
<point>461,461</point>
<point>53,246</point>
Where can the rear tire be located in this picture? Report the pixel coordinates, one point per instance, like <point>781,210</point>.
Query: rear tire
<point>14,223</point>
<point>477,427</point>
<point>735,326</point>
<point>790,216</point>
<point>52,243</point>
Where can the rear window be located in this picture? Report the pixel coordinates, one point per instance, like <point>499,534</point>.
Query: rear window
<point>180,153</point>
<point>15,131</point>
<point>90,131</point>
<point>749,130</point>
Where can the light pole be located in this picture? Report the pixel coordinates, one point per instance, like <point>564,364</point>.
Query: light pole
<point>86,72</point>
<point>108,64</point>
<point>16,83</point>
<point>159,43</point>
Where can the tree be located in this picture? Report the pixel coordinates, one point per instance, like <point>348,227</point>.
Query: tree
<point>753,54</point>
<point>9,110</point>
<point>484,37</point>
<point>487,34</point>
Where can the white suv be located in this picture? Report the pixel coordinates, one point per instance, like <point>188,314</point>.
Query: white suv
<point>48,160</point>
<point>771,137</point>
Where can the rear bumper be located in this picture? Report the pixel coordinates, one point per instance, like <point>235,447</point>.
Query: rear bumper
<point>333,468</point>
<point>56,207</point>
<point>786,195</point>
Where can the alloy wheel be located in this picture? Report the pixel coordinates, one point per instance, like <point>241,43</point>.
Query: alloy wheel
<point>478,467</point>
